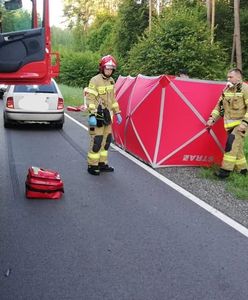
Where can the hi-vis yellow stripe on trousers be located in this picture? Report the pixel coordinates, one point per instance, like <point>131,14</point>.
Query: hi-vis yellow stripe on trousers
<point>95,156</point>
<point>241,161</point>
<point>104,153</point>
<point>229,158</point>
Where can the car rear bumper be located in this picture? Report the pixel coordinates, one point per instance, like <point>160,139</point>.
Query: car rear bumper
<point>34,116</point>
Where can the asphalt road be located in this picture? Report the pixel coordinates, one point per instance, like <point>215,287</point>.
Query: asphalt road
<point>119,236</point>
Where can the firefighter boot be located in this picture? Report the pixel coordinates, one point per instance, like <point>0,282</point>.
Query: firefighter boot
<point>243,172</point>
<point>222,173</point>
<point>93,170</point>
<point>105,167</point>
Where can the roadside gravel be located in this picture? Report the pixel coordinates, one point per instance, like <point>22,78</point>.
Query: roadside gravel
<point>212,192</point>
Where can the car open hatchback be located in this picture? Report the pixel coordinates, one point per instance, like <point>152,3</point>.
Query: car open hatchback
<point>33,104</point>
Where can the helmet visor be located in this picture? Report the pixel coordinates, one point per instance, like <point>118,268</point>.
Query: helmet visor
<point>109,67</point>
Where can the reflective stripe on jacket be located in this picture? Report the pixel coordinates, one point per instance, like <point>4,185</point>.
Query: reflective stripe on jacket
<point>233,105</point>
<point>101,91</point>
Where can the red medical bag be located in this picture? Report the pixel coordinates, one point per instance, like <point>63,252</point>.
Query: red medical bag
<point>43,184</point>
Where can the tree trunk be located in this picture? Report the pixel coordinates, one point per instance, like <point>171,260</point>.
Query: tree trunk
<point>233,50</point>
<point>212,20</point>
<point>209,13</point>
<point>158,7</point>
<point>150,15</point>
<point>237,33</point>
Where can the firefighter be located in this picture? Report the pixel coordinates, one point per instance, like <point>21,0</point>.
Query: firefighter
<point>101,105</point>
<point>183,73</point>
<point>233,106</point>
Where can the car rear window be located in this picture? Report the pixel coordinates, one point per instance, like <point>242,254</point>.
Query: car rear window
<point>43,88</point>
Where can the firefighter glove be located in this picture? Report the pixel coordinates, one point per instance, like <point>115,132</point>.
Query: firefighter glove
<point>119,119</point>
<point>92,120</point>
<point>210,122</point>
<point>242,129</point>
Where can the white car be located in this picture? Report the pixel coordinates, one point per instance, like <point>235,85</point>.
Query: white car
<point>33,104</point>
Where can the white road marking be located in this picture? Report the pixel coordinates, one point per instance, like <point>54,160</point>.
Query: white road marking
<point>235,225</point>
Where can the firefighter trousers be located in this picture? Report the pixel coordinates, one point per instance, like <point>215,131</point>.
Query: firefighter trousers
<point>100,139</point>
<point>234,156</point>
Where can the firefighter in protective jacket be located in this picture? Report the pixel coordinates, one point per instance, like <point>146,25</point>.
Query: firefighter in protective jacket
<point>102,105</point>
<point>233,106</point>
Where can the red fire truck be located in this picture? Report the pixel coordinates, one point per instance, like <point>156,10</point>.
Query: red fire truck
<point>25,54</point>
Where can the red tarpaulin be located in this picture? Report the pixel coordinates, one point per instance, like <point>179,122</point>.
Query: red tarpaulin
<point>164,120</point>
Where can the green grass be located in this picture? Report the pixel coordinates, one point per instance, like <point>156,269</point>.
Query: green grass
<point>208,173</point>
<point>236,184</point>
<point>72,96</point>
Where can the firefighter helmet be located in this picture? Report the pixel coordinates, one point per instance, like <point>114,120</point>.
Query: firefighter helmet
<point>107,61</point>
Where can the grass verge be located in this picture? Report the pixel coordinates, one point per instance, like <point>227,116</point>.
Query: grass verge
<point>72,95</point>
<point>236,184</point>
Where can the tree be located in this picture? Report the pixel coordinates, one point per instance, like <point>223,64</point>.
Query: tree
<point>224,24</point>
<point>211,10</point>
<point>77,13</point>
<point>82,13</point>
<point>132,21</point>
<point>16,20</point>
<point>179,39</point>
<point>61,39</point>
<point>237,39</point>
<point>77,68</point>
<point>100,30</point>
<point>243,36</point>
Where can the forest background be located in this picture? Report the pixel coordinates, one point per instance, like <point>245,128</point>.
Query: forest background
<point>151,37</point>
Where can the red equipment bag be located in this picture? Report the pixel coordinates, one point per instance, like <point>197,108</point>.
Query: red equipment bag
<point>43,184</point>
<point>76,108</point>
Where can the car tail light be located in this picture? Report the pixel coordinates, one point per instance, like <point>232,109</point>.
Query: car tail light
<point>10,102</point>
<point>60,103</point>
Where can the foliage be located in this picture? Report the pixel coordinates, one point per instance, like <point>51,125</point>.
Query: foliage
<point>187,3</point>
<point>225,28</point>
<point>100,31</point>
<point>61,39</point>
<point>15,20</point>
<point>236,184</point>
<point>107,33</point>
<point>77,13</point>
<point>179,39</point>
<point>80,39</point>
<point>77,68</point>
<point>100,19</point>
<point>224,20</point>
<point>244,39</point>
<point>243,4</point>
<point>131,23</point>
<point>72,95</point>
<point>80,13</point>
<point>108,45</point>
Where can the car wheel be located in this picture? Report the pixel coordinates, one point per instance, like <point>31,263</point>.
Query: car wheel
<point>6,121</point>
<point>59,124</point>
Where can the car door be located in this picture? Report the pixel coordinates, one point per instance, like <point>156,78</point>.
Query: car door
<point>25,54</point>
<point>19,49</point>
